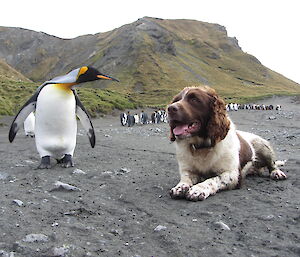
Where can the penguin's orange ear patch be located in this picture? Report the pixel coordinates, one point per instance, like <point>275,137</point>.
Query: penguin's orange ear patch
<point>82,71</point>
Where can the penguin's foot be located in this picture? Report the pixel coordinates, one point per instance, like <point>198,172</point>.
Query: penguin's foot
<point>67,161</point>
<point>45,163</point>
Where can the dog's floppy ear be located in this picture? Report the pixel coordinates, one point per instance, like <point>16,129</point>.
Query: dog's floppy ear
<point>218,124</point>
<point>171,136</point>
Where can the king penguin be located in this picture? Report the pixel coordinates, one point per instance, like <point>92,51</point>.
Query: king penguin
<point>56,105</point>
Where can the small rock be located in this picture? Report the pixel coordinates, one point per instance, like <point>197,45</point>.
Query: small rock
<point>20,165</point>
<point>123,171</point>
<point>35,238</point>
<point>107,172</point>
<point>160,227</point>
<point>6,254</point>
<point>18,202</point>
<point>79,211</point>
<point>64,186</point>
<point>78,171</point>
<point>116,232</point>
<point>60,251</point>
<point>222,225</point>
<point>272,118</point>
<point>29,161</point>
<point>3,175</point>
<point>268,217</point>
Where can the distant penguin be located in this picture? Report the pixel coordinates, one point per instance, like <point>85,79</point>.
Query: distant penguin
<point>56,105</point>
<point>29,124</point>
<point>123,118</point>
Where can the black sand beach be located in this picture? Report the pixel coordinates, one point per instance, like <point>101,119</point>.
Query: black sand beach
<point>121,204</point>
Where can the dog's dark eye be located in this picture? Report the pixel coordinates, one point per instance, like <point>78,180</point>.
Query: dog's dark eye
<point>193,98</point>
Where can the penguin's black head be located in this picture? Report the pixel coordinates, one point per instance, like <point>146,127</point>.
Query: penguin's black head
<point>87,73</point>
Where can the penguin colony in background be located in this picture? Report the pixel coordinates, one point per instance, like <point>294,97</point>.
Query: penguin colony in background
<point>56,106</point>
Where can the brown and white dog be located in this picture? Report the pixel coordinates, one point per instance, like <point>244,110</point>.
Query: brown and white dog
<point>212,155</point>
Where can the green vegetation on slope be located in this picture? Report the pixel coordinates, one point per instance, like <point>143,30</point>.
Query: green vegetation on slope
<point>13,94</point>
<point>15,90</point>
<point>104,101</point>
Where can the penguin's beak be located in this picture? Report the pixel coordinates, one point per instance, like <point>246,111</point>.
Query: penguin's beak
<point>107,77</point>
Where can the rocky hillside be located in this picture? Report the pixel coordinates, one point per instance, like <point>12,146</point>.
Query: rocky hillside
<point>153,58</point>
<point>9,73</point>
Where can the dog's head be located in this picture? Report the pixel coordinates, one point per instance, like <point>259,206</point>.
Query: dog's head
<point>198,111</point>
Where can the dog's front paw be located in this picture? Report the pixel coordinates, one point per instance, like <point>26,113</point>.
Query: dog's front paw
<point>278,175</point>
<point>179,191</point>
<point>197,193</point>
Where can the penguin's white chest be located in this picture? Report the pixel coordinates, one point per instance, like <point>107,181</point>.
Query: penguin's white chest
<point>56,125</point>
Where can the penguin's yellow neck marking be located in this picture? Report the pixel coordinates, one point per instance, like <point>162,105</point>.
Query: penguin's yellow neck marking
<point>66,87</point>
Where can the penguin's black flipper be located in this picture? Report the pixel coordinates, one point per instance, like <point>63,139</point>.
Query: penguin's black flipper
<point>27,108</point>
<point>85,120</point>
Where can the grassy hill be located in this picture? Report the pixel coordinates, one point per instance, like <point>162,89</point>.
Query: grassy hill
<point>15,90</point>
<point>153,58</point>
<point>12,84</point>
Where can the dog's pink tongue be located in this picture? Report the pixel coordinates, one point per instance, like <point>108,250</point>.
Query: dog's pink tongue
<point>180,130</point>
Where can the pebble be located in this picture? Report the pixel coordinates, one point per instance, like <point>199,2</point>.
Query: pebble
<point>268,217</point>
<point>18,202</point>
<point>123,171</point>
<point>60,251</point>
<point>64,186</point>
<point>160,227</point>
<point>6,254</point>
<point>220,224</point>
<point>29,161</point>
<point>35,238</point>
<point>116,232</point>
<point>78,171</point>
<point>3,175</point>
<point>20,165</point>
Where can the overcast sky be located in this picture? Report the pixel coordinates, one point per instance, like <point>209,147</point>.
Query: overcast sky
<point>267,29</point>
